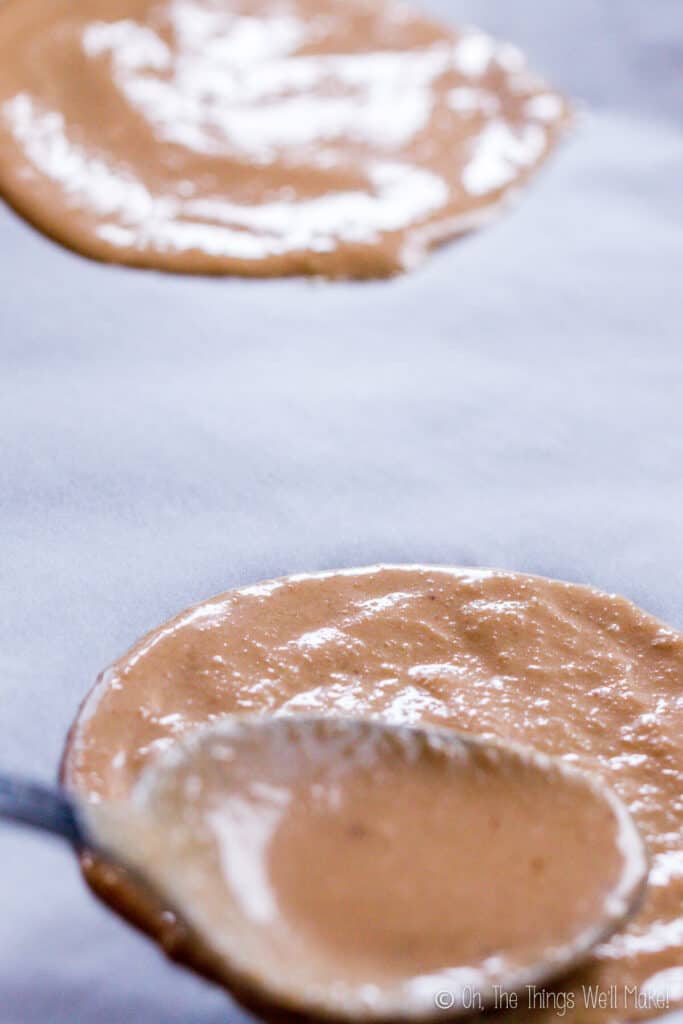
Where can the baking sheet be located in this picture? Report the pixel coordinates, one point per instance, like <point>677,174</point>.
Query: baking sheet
<point>516,403</point>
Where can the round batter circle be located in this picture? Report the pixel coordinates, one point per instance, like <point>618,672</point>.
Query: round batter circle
<point>261,137</point>
<point>562,668</point>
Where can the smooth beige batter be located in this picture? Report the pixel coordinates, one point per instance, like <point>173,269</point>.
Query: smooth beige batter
<point>261,137</point>
<point>352,868</point>
<point>562,668</point>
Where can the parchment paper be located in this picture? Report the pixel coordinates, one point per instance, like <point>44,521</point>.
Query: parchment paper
<point>518,402</point>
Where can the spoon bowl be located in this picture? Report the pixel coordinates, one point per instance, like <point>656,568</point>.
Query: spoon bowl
<point>355,870</point>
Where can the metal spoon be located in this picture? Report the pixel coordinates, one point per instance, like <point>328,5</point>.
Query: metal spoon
<point>359,871</point>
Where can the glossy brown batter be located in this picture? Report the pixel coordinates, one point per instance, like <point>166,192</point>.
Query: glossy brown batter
<point>261,137</point>
<point>356,869</point>
<point>562,668</point>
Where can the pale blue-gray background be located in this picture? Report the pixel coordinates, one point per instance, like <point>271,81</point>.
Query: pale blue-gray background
<point>517,402</point>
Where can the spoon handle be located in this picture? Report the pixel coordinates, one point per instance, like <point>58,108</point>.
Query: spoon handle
<point>44,807</point>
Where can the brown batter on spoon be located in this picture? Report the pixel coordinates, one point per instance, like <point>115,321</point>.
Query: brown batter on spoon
<point>355,869</point>
<point>261,137</point>
<point>561,668</point>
